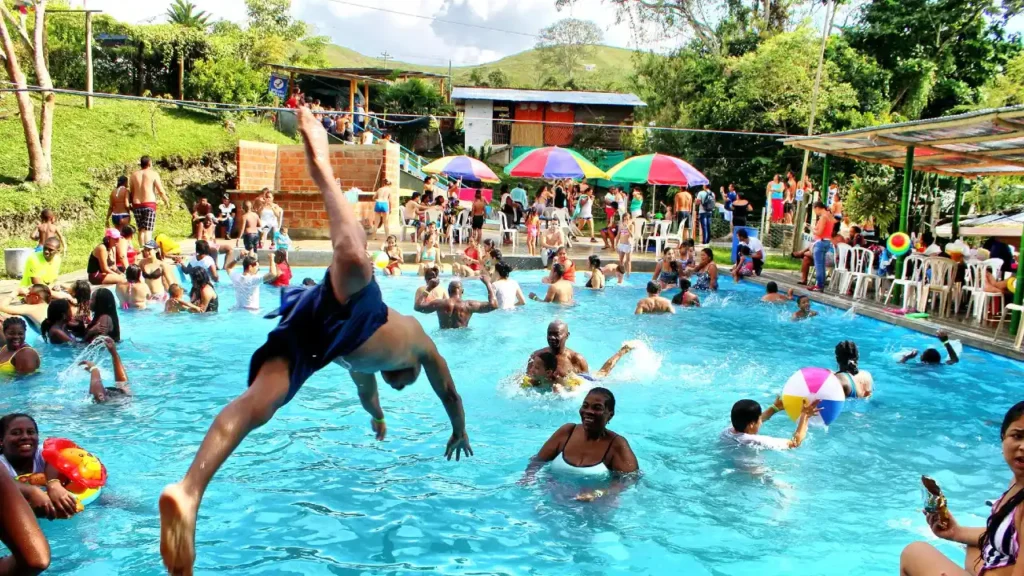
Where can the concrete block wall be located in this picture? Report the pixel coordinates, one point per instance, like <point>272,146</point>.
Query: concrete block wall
<point>363,167</point>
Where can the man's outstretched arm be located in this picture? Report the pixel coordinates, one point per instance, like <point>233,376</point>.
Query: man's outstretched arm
<point>441,381</point>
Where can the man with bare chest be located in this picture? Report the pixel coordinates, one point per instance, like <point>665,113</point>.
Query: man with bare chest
<point>145,185</point>
<point>453,311</point>
<point>561,368</point>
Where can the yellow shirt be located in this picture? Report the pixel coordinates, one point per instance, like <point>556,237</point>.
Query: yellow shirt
<point>38,267</point>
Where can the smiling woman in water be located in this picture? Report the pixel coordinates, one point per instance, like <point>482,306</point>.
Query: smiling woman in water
<point>591,449</point>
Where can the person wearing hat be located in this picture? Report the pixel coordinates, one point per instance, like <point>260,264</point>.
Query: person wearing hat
<point>155,272</point>
<point>101,267</point>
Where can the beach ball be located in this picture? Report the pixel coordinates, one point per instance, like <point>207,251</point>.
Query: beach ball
<point>898,244</point>
<point>380,260</point>
<point>814,384</point>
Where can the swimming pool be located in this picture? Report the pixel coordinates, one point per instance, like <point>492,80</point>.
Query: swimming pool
<point>314,493</point>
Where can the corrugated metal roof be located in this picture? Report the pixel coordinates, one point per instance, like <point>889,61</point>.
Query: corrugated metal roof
<point>981,143</point>
<point>547,96</point>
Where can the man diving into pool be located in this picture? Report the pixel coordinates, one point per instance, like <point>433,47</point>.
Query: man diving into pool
<point>344,320</point>
<point>561,368</point>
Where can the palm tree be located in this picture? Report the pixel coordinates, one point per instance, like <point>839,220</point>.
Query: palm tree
<point>184,13</point>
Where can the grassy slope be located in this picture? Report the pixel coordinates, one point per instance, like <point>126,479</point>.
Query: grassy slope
<point>612,64</point>
<point>106,140</point>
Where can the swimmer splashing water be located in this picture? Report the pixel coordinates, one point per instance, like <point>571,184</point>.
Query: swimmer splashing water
<point>344,320</point>
<point>561,368</point>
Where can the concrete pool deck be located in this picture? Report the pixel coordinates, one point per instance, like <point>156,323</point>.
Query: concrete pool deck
<point>317,253</point>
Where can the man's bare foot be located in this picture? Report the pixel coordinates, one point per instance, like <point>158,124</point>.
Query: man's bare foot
<point>177,529</point>
<point>314,136</point>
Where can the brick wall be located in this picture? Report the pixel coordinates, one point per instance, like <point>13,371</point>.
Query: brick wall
<point>363,167</point>
<point>257,166</point>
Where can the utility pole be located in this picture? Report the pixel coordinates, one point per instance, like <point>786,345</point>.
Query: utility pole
<point>798,222</point>
<point>88,46</point>
<point>385,57</point>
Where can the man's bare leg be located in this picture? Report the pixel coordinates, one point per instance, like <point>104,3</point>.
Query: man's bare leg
<point>179,503</point>
<point>351,270</point>
<point>609,365</point>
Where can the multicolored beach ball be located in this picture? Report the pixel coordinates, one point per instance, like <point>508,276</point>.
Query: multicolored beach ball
<point>898,244</point>
<point>814,384</point>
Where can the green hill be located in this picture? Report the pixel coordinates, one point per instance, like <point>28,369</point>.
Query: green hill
<point>92,147</point>
<point>609,65</point>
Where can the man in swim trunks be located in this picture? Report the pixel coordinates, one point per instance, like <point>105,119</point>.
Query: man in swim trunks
<point>341,320</point>
<point>683,205</point>
<point>382,208</point>
<point>479,214</point>
<point>653,303</point>
<point>250,237</point>
<point>453,311</point>
<point>559,289</point>
<point>145,185</point>
<point>772,295</point>
<point>559,367</point>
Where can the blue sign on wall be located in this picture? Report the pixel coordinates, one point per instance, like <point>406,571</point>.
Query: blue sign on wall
<point>279,86</point>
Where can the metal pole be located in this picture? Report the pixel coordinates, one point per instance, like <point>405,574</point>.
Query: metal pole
<point>1018,296</point>
<point>956,207</point>
<point>908,172</point>
<point>88,59</point>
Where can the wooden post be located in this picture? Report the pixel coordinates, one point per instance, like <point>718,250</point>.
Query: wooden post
<point>88,59</point>
<point>352,98</point>
<point>181,75</point>
<point>366,96</point>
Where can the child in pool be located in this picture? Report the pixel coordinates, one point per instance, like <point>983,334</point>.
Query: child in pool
<point>931,355</point>
<point>803,309</point>
<point>96,389</point>
<point>176,301</point>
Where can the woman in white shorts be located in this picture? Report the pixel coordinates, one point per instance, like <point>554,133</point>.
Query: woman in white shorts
<point>586,215</point>
<point>624,243</point>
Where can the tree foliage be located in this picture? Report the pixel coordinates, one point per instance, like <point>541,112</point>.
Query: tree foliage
<point>411,97</point>
<point>565,45</point>
<point>184,13</point>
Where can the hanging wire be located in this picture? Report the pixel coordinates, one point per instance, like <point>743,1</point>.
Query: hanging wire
<point>222,107</point>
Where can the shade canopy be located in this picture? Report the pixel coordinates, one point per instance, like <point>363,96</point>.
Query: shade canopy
<point>982,143</point>
<point>553,162</point>
<point>461,167</point>
<point>657,169</point>
<point>1004,224</point>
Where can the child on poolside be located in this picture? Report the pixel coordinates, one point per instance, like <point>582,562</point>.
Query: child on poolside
<point>744,266</point>
<point>532,231</point>
<point>176,301</point>
<point>282,240</point>
<point>48,228</point>
<point>804,309</point>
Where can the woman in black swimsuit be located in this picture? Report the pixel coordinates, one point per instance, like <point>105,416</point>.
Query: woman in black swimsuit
<point>740,210</point>
<point>203,294</point>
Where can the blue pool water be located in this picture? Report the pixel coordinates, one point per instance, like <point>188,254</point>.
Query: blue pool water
<point>314,493</point>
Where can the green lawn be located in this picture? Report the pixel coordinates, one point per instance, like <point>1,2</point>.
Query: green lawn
<point>92,147</point>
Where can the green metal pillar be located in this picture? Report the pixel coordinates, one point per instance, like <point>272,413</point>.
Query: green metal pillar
<point>824,175</point>
<point>908,172</point>
<point>956,207</point>
<point>1018,297</point>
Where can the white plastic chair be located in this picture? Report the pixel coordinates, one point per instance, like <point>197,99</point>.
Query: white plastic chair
<point>979,297</point>
<point>662,234</point>
<point>406,227</point>
<point>974,283</point>
<point>462,227</point>
<point>839,281</point>
<point>504,229</point>
<point>563,223</point>
<point>939,282</point>
<point>1020,330</point>
<point>638,234</point>
<point>911,280</point>
<point>861,272</point>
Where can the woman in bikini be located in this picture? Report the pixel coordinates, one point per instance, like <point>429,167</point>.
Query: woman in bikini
<point>16,356</point>
<point>624,243</point>
<point>428,255</point>
<point>133,293</point>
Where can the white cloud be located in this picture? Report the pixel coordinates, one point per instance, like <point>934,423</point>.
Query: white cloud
<point>375,26</point>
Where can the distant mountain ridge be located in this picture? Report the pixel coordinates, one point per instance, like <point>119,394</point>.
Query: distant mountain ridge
<point>607,65</point>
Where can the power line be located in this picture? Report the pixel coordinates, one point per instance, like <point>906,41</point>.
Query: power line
<point>223,107</point>
<point>434,19</point>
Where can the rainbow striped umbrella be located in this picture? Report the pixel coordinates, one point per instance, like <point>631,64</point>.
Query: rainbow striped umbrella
<point>657,169</point>
<point>553,162</point>
<point>463,168</point>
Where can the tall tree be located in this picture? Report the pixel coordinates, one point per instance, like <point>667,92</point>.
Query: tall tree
<point>184,13</point>
<point>565,44</point>
<point>940,52</point>
<point>38,140</point>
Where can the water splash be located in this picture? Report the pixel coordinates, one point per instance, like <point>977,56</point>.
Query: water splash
<point>73,375</point>
<point>850,314</point>
<point>641,364</point>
